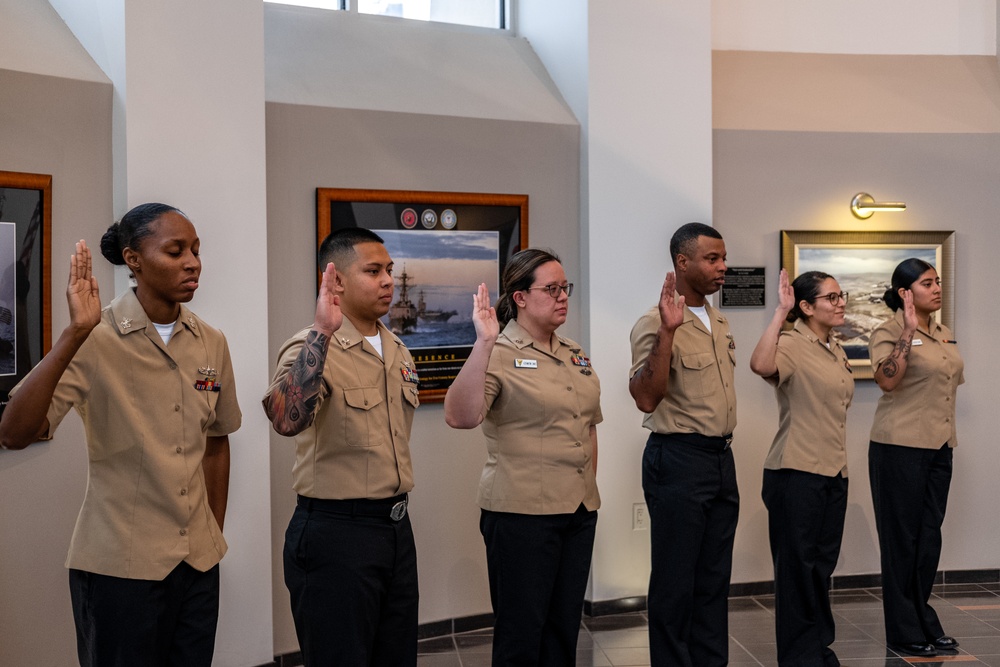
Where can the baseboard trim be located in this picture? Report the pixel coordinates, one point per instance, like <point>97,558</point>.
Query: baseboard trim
<point>594,608</point>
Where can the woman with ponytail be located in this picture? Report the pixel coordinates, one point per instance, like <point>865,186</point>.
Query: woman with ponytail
<point>918,367</point>
<point>154,387</point>
<point>805,472</point>
<point>538,399</point>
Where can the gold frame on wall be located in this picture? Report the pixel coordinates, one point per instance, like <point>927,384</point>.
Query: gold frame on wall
<point>406,214</point>
<point>852,253</point>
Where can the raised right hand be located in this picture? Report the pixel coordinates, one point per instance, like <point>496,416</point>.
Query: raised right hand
<point>484,316</point>
<point>786,295</point>
<point>909,312</point>
<point>82,293</point>
<point>328,314</point>
<point>671,309</point>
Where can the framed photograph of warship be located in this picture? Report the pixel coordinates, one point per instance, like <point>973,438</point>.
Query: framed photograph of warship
<point>443,244</point>
<point>25,275</point>
<point>863,262</point>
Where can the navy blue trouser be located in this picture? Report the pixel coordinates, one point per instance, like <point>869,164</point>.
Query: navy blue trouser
<point>909,494</point>
<point>128,622</point>
<point>353,586</point>
<point>805,515</point>
<point>694,503</point>
<point>538,569</point>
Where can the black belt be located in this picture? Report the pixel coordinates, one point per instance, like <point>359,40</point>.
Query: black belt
<point>716,443</point>
<point>390,508</point>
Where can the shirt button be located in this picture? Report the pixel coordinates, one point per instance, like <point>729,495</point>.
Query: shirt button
<point>173,366</point>
<point>184,492</point>
<point>576,444</point>
<point>580,470</point>
<point>569,388</point>
<point>183,531</point>
<point>177,408</point>
<point>180,449</point>
<point>947,398</point>
<point>559,363</point>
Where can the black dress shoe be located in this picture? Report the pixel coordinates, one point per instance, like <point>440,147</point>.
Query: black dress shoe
<point>919,650</point>
<point>945,643</point>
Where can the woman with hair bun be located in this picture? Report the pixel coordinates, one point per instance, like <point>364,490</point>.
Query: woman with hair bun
<point>805,472</point>
<point>538,399</point>
<point>918,367</point>
<point>154,387</point>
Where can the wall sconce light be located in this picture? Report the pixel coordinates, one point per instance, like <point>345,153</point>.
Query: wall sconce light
<point>863,206</point>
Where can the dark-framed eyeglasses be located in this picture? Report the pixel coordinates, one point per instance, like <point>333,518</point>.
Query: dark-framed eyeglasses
<point>833,297</point>
<point>553,290</point>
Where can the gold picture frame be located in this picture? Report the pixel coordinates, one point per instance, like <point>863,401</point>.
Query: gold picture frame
<point>862,262</point>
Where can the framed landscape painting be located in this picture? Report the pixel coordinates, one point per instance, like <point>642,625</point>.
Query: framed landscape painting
<point>863,262</point>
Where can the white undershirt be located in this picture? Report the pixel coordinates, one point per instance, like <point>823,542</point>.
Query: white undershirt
<point>702,314</point>
<point>165,331</point>
<point>376,342</point>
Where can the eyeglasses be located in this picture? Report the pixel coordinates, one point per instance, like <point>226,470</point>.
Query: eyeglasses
<point>554,290</point>
<point>833,297</point>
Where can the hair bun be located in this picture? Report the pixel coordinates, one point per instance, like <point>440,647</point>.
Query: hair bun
<point>111,246</point>
<point>891,298</point>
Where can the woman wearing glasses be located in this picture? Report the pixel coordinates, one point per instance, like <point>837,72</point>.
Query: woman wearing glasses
<point>805,472</point>
<point>538,399</point>
<point>918,367</point>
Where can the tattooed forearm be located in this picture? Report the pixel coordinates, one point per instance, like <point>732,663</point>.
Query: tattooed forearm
<point>890,367</point>
<point>291,406</point>
<point>647,372</point>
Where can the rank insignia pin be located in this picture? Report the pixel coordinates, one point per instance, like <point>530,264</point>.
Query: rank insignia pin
<point>126,323</point>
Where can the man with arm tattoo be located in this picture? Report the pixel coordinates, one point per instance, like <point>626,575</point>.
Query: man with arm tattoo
<point>345,389</point>
<point>683,358</point>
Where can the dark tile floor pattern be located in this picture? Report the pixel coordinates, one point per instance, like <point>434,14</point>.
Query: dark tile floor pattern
<point>969,612</point>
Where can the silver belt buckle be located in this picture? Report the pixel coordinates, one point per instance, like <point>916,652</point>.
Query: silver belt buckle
<point>729,443</point>
<point>398,511</point>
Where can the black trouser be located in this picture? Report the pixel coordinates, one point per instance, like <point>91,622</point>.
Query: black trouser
<point>805,525</point>
<point>353,583</point>
<point>910,495</point>
<point>128,622</point>
<point>690,486</point>
<point>538,568</point>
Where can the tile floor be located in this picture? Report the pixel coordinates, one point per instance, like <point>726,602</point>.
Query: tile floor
<point>969,612</point>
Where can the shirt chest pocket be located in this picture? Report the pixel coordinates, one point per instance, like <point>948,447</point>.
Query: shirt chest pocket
<point>364,426</point>
<point>696,376</point>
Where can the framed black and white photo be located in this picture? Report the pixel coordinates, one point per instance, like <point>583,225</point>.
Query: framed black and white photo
<point>25,275</point>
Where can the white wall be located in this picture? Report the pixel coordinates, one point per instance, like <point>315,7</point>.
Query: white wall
<point>933,27</point>
<point>189,131</point>
<point>650,170</point>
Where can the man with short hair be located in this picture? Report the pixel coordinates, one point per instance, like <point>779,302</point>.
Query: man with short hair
<point>683,357</point>
<point>346,389</point>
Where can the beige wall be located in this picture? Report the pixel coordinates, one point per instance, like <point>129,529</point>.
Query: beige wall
<point>769,181</point>
<point>310,147</point>
<point>61,127</point>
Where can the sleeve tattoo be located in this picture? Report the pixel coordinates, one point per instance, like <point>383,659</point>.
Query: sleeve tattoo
<point>890,367</point>
<point>292,405</point>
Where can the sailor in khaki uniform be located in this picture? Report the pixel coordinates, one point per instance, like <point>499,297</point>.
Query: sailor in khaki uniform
<point>683,356</point>
<point>918,367</point>
<point>154,387</point>
<point>805,472</point>
<point>346,389</point>
<point>538,399</point>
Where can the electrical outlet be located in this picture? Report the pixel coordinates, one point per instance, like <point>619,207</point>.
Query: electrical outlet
<point>640,517</point>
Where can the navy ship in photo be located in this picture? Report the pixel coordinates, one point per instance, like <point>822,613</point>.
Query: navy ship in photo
<point>403,314</point>
<point>425,315</point>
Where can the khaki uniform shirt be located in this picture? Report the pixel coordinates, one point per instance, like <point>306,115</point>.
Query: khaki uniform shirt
<point>146,508</point>
<point>358,445</point>
<point>920,411</point>
<point>701,394</point>
<point>814,387</point>
<point>540,405</point>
